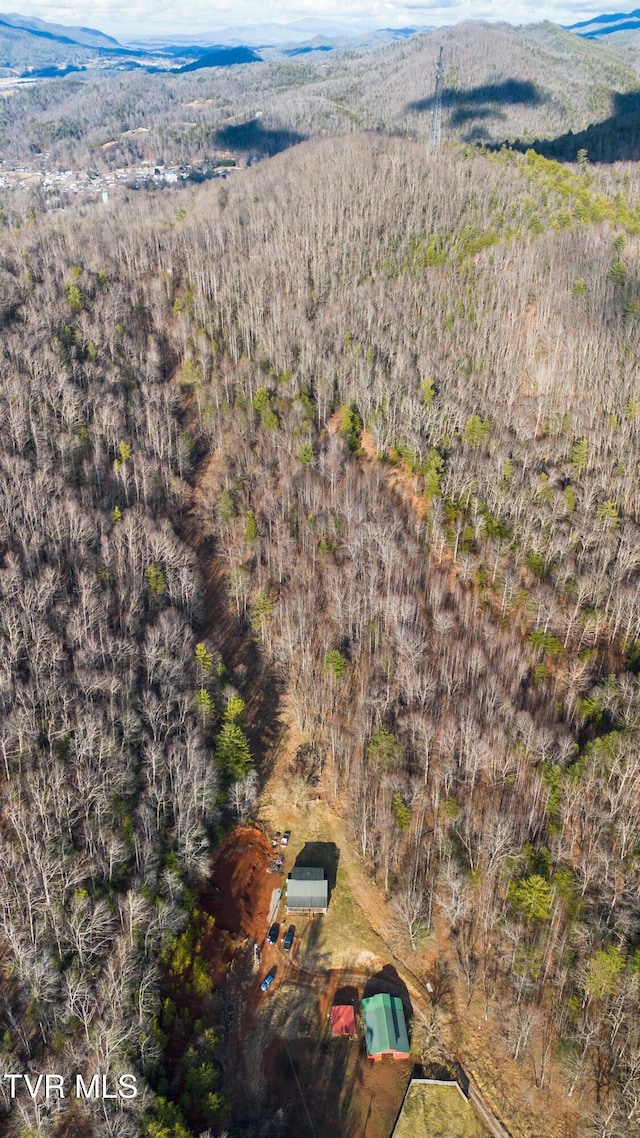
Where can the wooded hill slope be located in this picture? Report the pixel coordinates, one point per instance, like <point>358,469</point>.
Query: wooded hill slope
<point>501,83</point>
<point>108,788</point>
<point>455,616</point>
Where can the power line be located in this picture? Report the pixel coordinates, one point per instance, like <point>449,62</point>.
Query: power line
<point>295,1075</point>
<point>435,137</point>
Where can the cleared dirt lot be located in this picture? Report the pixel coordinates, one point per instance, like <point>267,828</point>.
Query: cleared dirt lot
<point>238,893</point>
<point>331,1089</point>
<point>324,1086</point>
<point>280,1061</point>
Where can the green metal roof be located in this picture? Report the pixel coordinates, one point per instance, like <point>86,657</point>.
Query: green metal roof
<point>306,873</point>
<point>307,893</point>
<point>384,1024</point>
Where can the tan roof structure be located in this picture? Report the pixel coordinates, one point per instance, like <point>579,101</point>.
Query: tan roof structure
<point>437,1109</point>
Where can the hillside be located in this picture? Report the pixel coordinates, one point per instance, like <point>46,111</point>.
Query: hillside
<point>222,57</point>
<point>502,83</point>
<point>87,37</point>
<point>320,512</point>
<point>456,622</point>
<point>355,442</point>
<point>30,44</point>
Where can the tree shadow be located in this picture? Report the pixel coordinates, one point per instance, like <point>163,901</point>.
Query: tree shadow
<point>483,102</point>
<point>256,139</point>
<point>73,1125</point>
<point>317,1079</point>
<point>320,855</point>
<point>478,134</point>
<point>221,57</point>
<point>439,985</point>
<point>616,139</point>
<point>388,980</point>
<point>313,935</point>
<point>307,49</point>
<point>261,684</point>
<point>308,761</point>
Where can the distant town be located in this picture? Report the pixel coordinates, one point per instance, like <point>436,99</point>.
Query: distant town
<point>60,186</point>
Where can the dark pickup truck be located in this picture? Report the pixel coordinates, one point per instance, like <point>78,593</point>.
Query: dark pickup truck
<point>288,938</point>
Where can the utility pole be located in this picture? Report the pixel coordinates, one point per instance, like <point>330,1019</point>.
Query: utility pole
<point>435,137</point>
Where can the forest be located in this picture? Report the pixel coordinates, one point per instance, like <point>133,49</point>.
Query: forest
<point>394,393</point>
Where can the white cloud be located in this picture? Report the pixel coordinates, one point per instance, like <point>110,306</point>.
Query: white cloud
<point>149,17</point>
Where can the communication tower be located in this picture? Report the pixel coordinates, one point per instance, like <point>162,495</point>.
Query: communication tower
<point>435,137</point>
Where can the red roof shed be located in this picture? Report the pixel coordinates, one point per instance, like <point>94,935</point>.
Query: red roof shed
<point>343,1020</point>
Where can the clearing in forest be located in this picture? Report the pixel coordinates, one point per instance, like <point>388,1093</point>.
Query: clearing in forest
<point>239,890</point>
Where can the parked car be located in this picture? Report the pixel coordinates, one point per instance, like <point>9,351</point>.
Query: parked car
<point>288,938</point>
<point>284,840</point>
<point>267,982</point>
<point>272,935</point>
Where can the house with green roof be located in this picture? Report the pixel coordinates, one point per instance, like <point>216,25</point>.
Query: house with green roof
<point>307,891</point>
<point>385,1029</point>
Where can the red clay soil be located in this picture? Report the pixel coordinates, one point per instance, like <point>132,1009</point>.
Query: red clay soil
<point>238,893</point>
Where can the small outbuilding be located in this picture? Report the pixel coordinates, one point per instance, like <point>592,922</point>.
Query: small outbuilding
<point>385,1029</point>
<point>343,1020</point>
<point>307,891</point>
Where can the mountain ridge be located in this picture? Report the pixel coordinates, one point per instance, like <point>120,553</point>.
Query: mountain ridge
<point>83,37</point>
<point>273,34</point>
<point>36,47</point>
<point>606,25</point>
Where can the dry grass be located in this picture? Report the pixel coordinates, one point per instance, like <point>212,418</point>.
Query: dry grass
<point>439,1112</point>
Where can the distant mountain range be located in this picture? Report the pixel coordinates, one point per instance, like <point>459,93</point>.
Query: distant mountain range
<point>85,37</point>
<point>37,48</point>
<point>31,47</point>
<point>304,32</point>
<point>533,85</point>
<point>606,25</point>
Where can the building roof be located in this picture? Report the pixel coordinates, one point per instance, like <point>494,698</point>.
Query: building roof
<point>438,1109</point>
<point>304,873</point>
<point>307,889</point>
<point>343,1020</point>
<point>384,1024</point>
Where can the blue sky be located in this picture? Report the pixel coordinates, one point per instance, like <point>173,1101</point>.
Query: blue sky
<point>149,17</point>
